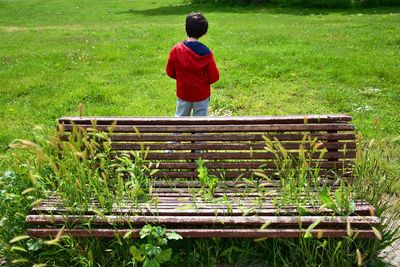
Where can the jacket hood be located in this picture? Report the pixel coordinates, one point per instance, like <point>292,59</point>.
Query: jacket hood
<point>189,60</point>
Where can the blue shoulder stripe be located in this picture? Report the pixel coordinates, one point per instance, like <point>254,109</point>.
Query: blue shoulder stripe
<point>197,47</point>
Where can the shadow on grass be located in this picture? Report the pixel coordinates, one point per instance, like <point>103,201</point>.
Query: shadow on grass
<point>184,9</point>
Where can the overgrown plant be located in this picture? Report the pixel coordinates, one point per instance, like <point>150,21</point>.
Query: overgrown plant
<point>153,252</point>
<point>299,174</point>
<point>84,169</point>
<point>132,177</point>
<point>208,182</point>
<point>377,186</point>
<point>302,183</point>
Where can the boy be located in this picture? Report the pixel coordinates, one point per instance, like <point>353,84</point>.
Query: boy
<point>193,66</point>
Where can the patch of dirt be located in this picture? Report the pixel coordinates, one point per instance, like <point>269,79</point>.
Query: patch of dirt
<point>222,112</point>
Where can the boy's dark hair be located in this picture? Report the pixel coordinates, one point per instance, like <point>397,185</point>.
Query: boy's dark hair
<point>196,25</point>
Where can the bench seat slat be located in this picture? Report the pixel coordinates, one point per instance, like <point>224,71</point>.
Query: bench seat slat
<point>224,146</point>
<point>267,200</point>
<point>240,155</point>
<point>206,120</point>
<point>355,221</point>
<point>205,233</point>
<point>210,211</point>
<point>246,165</point>
<point>219,128</point>
<point>216,195</point>
<point>225,137</point>
<point>198,206</point>
<point>234,174</point>
<point>169,211</point>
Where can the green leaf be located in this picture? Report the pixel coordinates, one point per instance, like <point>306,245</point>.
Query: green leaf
<point>151,263</point>
<point>159,231</point>
<point>302,210</point>
<point>3,221</point>
<point>173,236</point>
<point>164,255</point>
<point>146,230</point>
<point>265,225</point>
<point>352,207</point>
<point>128,234</point>
<point>326,199</point>
<point>34,245</point>
<point>162,241</point>
<point>151,250</point>
<point>260,239</point>
<point>339,197</point>
<point>310,228</point>
<point>136,254</point>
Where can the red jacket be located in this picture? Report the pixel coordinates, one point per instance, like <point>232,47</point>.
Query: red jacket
<point>193,73</point>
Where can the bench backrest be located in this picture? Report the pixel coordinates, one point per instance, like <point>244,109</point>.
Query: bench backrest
<point>230,146</point>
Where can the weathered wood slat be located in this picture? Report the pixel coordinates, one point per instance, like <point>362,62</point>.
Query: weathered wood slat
<point>240,155</point>
<point>187,205</point>
<point>54,205</point>
<point>226,137</point>
<point>272,174</point>
<point>247,165</point>
<point>356,221</point>
<point>207,120</point>
<point>126,208</point>
<point>216,195</point>
<point>183,211</point>
<point>192,199</point>
<point>224,146</point>
<point>222,138</point>
<point>188,210</point>
<point>217,128</point>
<point>198,200</point>
<point>198,205</point>
<point>205,233</point>
<point>271,190</point>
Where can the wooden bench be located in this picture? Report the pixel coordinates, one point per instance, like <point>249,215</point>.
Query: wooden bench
<point>239,151</point>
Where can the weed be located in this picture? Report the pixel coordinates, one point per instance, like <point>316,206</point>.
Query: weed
<point>151,253</point>
<point>208,182</point>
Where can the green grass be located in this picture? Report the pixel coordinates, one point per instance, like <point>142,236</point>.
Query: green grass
<point>110,55</point>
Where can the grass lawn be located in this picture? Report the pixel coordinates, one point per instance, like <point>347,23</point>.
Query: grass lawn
<point>110,55</point>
